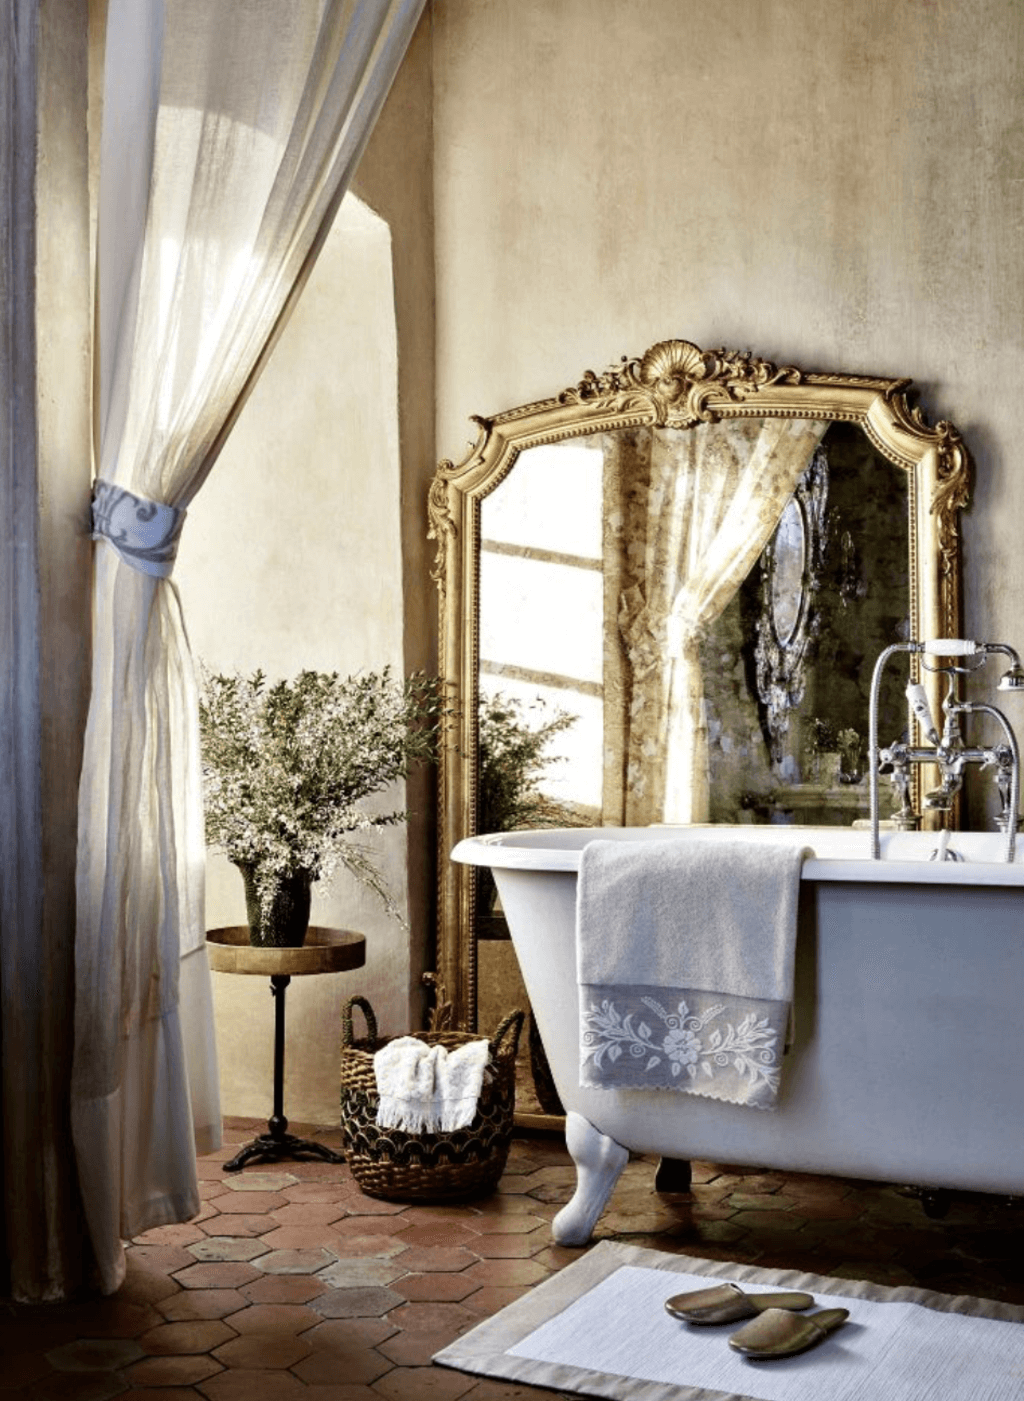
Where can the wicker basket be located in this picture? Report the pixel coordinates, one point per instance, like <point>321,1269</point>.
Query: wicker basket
<point>426,1167</point>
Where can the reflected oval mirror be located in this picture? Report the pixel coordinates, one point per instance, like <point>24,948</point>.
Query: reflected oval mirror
<point>787,580</point>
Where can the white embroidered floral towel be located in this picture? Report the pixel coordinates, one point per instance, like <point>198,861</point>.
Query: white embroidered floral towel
<point>428,1089</point>
<point>685,953</point>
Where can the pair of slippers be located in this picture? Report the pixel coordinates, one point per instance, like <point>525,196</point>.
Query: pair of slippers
<point>776,1328</point>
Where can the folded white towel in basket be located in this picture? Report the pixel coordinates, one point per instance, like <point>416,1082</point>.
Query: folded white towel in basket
<point>685,959</point>
<point>428,1089</point>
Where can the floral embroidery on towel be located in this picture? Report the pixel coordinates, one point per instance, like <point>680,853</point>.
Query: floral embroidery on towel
<point>721,1052</point>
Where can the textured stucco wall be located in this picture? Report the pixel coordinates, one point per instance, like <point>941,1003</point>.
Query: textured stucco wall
<point>835,186</point>
<point>306,549</point>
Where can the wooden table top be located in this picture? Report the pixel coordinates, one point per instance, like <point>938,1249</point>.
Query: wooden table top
<point>325,951</point>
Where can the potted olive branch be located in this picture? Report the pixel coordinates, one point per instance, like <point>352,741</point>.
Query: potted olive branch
<point>285,770</point>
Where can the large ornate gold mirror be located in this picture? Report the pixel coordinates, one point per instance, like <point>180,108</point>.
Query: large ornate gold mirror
<point>679,574</point>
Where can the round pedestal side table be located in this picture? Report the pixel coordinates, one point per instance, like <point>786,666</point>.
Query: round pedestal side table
<point>325,951</point>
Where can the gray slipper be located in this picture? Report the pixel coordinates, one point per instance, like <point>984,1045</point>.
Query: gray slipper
<point>778,1333</point>
<point>727,1303</point>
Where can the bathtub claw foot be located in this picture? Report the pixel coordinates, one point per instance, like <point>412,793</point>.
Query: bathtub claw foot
<point>599,1162</point>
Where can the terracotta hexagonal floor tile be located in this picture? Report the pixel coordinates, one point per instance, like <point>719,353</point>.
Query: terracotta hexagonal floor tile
<point>277,1237</point>
<point>362,1205</point>
<point>424,1384</point>
<point>339,1391</point>
<point>424,1258</point>
<point>143,1285</point>
<point>249,1202</point>
<point>256,1181</point>
<point>248,1384</point>
<point>165,1258</point>
<point>365,1224</point>
<point>508,1247</point>
<point>191,1335</point>
<point>462,1212</point>
<point>506,1223</point>
<point>381,1247</point>
<point>172,1371</point>
<point>317,1192</point>
<point>226,1274</point>
<point>256,1224</point>
<point>309,1213</point>
<point>201,1303</point>
<point>446,1234</point>
<point>350,1332</point>
<point>344,1351</point>
<point>228,1248</point>
<point>295,1262</point>
<point>283,1289</point>
<point>182,1234</point>
<point>349,1272</point>
<point>435,1287</point>
<point>369,1301</point>
<point>414,1349</point>
<point>492,1297</point>
<point>286,1319</point>
<point>263,1351</point>
<point>437,1317</point>
<point>507,1272</point>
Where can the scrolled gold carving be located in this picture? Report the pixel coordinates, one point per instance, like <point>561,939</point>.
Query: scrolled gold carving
<point>675,383</point>
<point>442,526</point>
<point>951,495</point>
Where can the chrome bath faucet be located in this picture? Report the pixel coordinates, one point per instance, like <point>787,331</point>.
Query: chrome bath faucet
<point>947,751</point>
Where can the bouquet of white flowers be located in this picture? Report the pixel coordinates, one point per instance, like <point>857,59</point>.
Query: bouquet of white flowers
<point>286,766</point>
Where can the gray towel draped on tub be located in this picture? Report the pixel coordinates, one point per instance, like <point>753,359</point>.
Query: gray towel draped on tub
<point>685,951</point>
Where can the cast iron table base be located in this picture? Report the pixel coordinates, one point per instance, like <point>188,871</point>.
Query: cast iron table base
<point>277,1142</point>
<point>325,951</point>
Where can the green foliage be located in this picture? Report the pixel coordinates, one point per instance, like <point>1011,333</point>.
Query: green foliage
<point>286,766</point>
<point>512,761</point>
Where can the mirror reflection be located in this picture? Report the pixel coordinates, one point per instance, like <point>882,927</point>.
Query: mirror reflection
<point>701,642</point>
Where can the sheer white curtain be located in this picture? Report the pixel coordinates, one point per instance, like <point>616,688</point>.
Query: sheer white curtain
<point>231,129</point>
<point>715,496</point>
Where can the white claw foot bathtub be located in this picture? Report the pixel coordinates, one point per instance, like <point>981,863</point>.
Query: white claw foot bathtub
<point>909,1012</point>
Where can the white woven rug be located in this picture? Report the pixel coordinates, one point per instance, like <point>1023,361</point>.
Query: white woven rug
<point>599,1328</point>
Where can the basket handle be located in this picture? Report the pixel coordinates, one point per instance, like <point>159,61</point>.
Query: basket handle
<point>347,1034</point>
<point>512,1023</point>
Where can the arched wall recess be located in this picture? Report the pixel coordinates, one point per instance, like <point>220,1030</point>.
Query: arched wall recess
<point>671,392</point>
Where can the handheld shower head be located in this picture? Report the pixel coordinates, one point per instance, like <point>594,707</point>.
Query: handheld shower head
<point>1012,680</point>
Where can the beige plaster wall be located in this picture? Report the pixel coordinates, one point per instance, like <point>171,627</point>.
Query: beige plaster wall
<point>836,186</point>
<point>303,550</point>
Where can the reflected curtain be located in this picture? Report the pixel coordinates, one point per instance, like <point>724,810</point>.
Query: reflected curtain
<point>231,130</point>
<point>699,506</point>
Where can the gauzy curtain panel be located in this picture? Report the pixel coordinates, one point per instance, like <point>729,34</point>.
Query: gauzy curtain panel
<point>700,506</point>
<point>230,131</point>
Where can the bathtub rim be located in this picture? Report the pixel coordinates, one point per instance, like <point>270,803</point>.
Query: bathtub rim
<point>538,849</point>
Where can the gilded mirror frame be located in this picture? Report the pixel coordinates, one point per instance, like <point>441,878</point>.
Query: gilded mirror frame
<point>677,385</point>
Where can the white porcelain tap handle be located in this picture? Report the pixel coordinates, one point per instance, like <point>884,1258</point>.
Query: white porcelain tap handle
<point>918,699</point>
<point>951,647</point>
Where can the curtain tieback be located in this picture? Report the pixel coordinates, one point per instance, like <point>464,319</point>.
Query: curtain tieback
<point>144,533</point>
<point>683,637</point>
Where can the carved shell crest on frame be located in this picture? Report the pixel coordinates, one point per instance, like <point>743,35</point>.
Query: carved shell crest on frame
<point>674,380</point>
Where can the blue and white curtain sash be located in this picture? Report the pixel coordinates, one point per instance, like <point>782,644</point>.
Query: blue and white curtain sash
<point>144,533</point>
